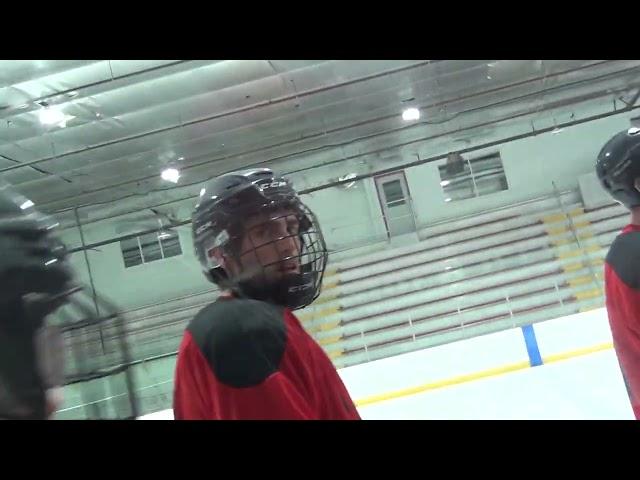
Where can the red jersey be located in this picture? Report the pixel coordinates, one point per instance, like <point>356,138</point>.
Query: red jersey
<point>245,359</point>
<point>622,288</point>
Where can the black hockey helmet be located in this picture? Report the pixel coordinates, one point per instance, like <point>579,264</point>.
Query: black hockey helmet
<point>618,167</point>
<point>219,218</point>
<point>33,260</point>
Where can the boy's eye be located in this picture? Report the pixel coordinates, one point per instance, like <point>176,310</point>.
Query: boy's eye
<point>292,228</point>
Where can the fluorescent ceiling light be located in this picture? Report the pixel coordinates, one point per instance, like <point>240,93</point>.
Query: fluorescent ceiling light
<point>170,175</point>
<point>53,116</point>
<point>410,114</point>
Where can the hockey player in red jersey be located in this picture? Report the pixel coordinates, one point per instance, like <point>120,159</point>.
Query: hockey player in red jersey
<point>246,355</point>
<point>618,168</point>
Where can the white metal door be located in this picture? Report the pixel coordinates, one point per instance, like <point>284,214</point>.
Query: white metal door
<point>395,202</point>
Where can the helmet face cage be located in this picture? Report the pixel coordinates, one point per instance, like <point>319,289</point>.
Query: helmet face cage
<point>302,246</point>
<point>98,361</point>
<point>290,237</point>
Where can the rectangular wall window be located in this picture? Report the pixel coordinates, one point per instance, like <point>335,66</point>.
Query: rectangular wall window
<point>150,247</point>
<point>461,178</point>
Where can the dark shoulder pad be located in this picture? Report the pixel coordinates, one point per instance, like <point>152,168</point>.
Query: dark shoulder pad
<point>624,258</point>
<point>243,340</point>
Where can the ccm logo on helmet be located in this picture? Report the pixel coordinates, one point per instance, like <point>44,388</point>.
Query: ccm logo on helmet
<point>273,185</point>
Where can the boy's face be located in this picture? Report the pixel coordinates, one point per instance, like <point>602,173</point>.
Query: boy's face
<point>270,247</point>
